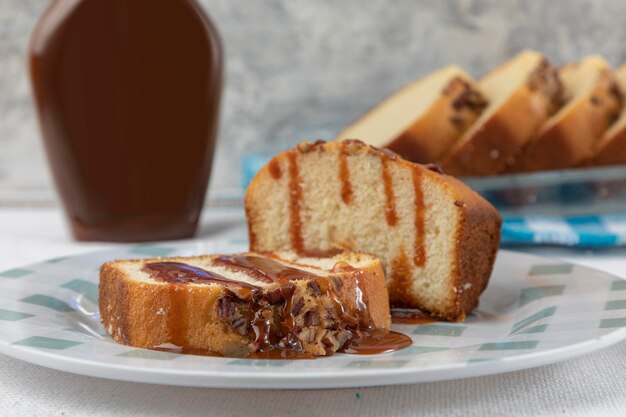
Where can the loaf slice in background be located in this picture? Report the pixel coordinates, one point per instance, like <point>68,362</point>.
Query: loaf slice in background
<point>436,237</point>
<point>522,94</point>
<point>593,102</point>
<point>236,305</point>
<point>611,149</point>
<point>424,119</point>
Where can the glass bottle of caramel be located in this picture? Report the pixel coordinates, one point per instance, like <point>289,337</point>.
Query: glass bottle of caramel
<point>128,95</point>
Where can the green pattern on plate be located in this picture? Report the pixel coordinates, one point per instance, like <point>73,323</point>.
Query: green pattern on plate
<point>9,315</point>
<point>46,343</point>
<point>541,314</point>
<point>611,323</point>
<point>481,360</point>
<point>149,354</point>
<point>615,305</point>
<point>243,242</point>
<point>418,350</point>
<point>15,273</point>
<point>440,330</point>
<point>47,301</point>
<point>524,344</point>
<point>525,310</point>
<point>376,364</point>
<point>550,269</point>
<point>56,260</point>
<point>535,329</point>
<point>531,294</point>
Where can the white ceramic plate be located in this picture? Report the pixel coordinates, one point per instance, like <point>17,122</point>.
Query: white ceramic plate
<point>535,311</point>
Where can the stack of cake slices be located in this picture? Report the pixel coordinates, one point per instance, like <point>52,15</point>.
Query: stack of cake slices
<point>525,116</point>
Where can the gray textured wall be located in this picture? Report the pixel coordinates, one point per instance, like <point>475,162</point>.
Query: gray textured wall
<point>299,69</point>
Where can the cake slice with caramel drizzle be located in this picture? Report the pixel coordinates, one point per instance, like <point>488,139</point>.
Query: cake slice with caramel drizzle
<point>273,305</point>
<point>436,238</point>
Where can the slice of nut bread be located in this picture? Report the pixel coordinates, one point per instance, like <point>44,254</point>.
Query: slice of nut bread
<point>424,119</point>
<point>522,94</point>
<point>594,101</point>
<point>237,305</point>
<point>436,237</point>
<point>611,149</point>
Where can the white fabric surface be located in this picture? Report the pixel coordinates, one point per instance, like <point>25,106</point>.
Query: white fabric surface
<point>592,385</point>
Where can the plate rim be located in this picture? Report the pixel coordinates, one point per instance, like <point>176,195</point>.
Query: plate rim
<point>277,379</point>
<point>249,380</point>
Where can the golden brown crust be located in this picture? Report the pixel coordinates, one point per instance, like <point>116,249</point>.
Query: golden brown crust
<point>438,129</point>
<point>488,149</point>
<point>477,235</point>
<point>612,151</point>
<point>372,284</point>
<point>150,314</point>
<point>138,313</point>
<point>572,138</point>
<point>478,239</point>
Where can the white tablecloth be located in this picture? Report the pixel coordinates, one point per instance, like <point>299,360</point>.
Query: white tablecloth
<point>592,385</point>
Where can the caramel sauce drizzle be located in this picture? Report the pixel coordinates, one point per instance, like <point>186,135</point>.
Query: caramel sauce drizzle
<point>295,197</point>
<point>177,317</point>
<point>419,256</point>
<point>390,203</point>
<point>344,175</point>
<point>377,341</point>
<point>274,168</point>
<point>273,342</point>
<point>263,269</point>
<point>271,271</point>
<point>181,273</point>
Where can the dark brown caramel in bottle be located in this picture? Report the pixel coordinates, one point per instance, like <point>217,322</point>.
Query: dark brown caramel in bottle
<point>128,96</point>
